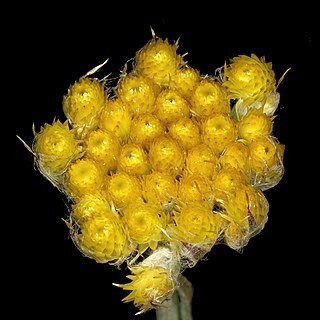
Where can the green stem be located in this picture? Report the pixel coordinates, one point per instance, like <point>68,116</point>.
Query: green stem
<point>179,306</point>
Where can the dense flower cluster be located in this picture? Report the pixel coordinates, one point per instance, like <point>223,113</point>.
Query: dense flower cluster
<point>165,164</point>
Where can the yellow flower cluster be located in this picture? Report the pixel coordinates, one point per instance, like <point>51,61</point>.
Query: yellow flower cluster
<point>165,162</point>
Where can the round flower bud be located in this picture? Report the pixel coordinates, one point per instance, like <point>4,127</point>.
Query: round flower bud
<point>145,128</point>
<point>133,160</point>
<point>144,222</point>
<point>84,102</point>
<point>158,60</point>
<point>208,97</point>
<point>228,178</point>
<point>184,80</point>
<point>55,147</point>
<point>250,79</point>
<point>195,188</point>
<point>200,159</point>
<point>116,118</point>
<point>166,155</point>
<point>171,106</point>
<point>186,132</point>
<point>254,123</point>
<point>195,223</point>
<point>150,286</point>
<point>88,207</point>
<point>84,177</point>
<point>266,161</point>
<point>122,188</point>
<point>102,238</point>
<point>160,188</point>
<point>137,92</point>
<point>102,147</point>
<point>218,130</point>
<point>235,155</point>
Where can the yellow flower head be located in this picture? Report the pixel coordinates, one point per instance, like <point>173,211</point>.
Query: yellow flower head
<point>247,202</point>
<point>171,106</point>
<point>144,222</point>
<point>166,155</point>
<point>133,160</point>
<point>122,188</point>
<point>263,153</point>
<point>250,79</point>
<point>254,123</point>
<point>84,177</point>
<point>235,155</point>
<point>102,147</point>
<point>116,118</point>
<point>158,60</point>
<point>186,131</point>
<point>200,159</point>
<point>218,130</point>
<point>137,92</point>
<point>102,238</point>
<point>88,207</point>
<point>195,223</point>
<point>83,103</point>
<point>247,210</point>
<point>145,128</point>
<point>185,80</point>
<point>227,179</point>
<point>55,147</point>
<point>266,161</point>
<point>256,203</point>
<point>195,188</point>
<point>160,188</point>
<point>149,286</point>
<point>237,236</point>
<point>209,96</point>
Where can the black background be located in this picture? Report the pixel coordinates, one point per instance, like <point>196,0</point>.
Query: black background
<point>52,48</point>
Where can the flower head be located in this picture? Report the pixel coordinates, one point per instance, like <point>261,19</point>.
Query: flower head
<point>102,147</point>
<point>102,237</point>
<point>122,188</point>
<point>144,222</point>
<point>200,159</point>
<point>55,147</point>
<point>88,207</point>
<point>116,118</point>
<point>133,160</point>
<point>186,132</point>
<point>160,188</point>
<point>246,210</point>
<point>84,177</point>
<point>149,286</point>
<point>145,128</point>
<point>208,97</point>
<point>83,102</point>
<point>195,223</point>
<point>250,79</point>
<point>166,155</point>
<point>218,130</point>
<point>158,60</point>
<point>254,123</point>
<point>137,92</point>
<point>195,187</point>
<point>266,161</point>
<point>171,106</point>
<point>235,155</point>
<point>184,80</point>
